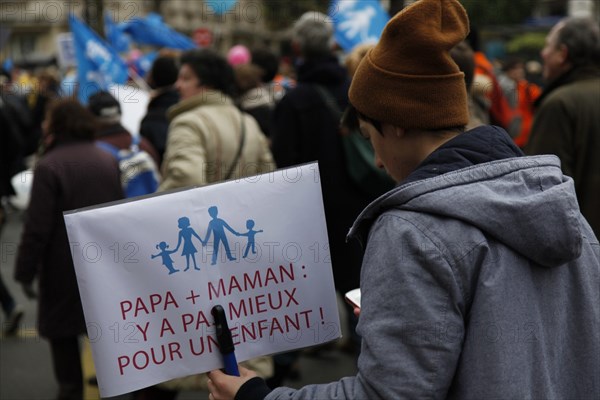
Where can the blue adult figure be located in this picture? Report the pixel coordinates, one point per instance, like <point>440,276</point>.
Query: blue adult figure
<point>251,234</point>
<point>185,234</point>
<point>217,227</point>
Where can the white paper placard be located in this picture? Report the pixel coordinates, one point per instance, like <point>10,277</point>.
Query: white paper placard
<point>148,314</point>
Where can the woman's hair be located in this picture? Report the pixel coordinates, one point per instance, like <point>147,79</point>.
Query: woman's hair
<point>163,72</point>
<point>68,119</point>
<point>512,63</point>
<point>211,69</point>
<point>268,61</point>
<point>247,76</point>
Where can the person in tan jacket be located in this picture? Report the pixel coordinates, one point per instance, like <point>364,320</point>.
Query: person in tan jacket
<point>210,139</point>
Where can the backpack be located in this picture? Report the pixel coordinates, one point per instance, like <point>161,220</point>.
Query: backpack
<point>139,174</point>
<point>359,155</point>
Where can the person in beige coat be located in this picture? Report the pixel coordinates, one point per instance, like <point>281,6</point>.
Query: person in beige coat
<point>210,139</point>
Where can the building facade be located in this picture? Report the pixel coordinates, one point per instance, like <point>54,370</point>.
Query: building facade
<point>29,30</point>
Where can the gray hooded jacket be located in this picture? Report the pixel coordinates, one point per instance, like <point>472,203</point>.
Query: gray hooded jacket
<point>478,283</point>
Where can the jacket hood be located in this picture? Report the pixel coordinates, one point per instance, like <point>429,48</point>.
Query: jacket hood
<point>206,98</point>
<point>525,203</point>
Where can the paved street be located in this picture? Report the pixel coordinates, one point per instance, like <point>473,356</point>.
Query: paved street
<point>25,366</point>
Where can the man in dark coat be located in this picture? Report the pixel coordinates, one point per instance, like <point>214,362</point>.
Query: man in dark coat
<point>567,122</point>
<point>73,173</point>
<point>305,129</point>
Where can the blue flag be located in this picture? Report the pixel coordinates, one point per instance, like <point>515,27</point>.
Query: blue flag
<point>98,65</point>
<point>7,65</point>
<point>153,31</point>
<point>143,64</point>
<point>115,34</point>
<point>222,6</point>
<point>357,21</point>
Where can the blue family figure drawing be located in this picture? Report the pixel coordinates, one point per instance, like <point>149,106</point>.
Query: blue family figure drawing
<point>217,227</point>
<point>251,234</point>
<point>166,257</point>
<point>186,232</point>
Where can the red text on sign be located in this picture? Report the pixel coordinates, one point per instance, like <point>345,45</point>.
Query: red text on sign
<point>142,358</point>
<point>151,305</point>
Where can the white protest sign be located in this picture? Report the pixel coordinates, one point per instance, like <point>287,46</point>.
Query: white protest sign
<point>149,272</point>
<point>66,50</point>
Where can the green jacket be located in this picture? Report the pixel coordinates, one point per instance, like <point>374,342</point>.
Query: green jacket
<point>567,123</point>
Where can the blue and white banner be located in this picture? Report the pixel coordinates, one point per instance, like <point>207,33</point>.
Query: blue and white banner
<point>357,21</point>
<point>152,30</point>
<point>220,7</point>
<point>98,64</point>
<point>115,34</point>
<point>143,63</point>
<point>150,271</point>
<point>8,65</point>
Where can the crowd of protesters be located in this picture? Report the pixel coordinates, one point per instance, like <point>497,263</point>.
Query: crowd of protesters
<point>211,114</point>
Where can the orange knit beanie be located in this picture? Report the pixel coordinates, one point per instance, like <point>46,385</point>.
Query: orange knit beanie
<point>409,79</point>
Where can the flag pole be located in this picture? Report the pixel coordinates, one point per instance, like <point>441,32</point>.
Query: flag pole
<point>138,80</point>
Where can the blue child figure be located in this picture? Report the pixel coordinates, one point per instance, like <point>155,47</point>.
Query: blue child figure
<point>166,257</point>
<point>185,234</point>
<point>217,226</point>
<point>251,234</point>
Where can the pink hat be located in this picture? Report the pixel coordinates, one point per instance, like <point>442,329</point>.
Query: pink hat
<point>238,55</point>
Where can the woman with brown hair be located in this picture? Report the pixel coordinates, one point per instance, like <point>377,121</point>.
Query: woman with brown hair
<point>72,173</point>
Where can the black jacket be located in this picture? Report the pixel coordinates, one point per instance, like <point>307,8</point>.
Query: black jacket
<point>69,176</point>
<point>304,129</point>
<point>155,124</point>
<point>567,124</point>
<point>12,141</point>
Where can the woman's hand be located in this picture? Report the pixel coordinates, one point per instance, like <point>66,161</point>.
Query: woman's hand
<point>357,311</point>
<point>225,387</point>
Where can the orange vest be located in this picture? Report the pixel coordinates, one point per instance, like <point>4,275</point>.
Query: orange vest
<point>500,111</point>
<point>527,94</point>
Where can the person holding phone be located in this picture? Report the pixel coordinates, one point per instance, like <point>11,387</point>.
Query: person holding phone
<point>480,276</point>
